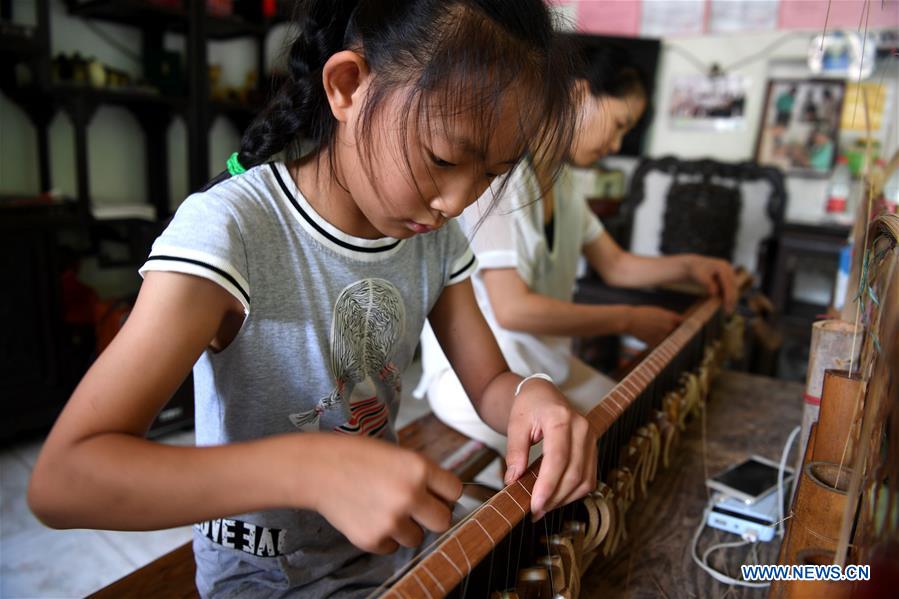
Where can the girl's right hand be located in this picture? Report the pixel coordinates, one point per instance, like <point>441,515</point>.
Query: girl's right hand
<point>379,495</point>
<point>650,324</point>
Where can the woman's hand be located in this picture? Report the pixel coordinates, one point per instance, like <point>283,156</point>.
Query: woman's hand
<point>717,276</point>
<point>379,495</point>
<point>650,324</point>
<point>568,470</point>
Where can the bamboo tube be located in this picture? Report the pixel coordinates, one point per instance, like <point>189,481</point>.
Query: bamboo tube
<point>806,458</point>
<point>840,400</point>
<point>831,348</point>
<point>815,589</point>
<point>818,509</point>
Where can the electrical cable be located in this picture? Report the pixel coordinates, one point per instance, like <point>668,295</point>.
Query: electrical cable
<point>763,53</point>
<point>702,562</point>
<point>719,576</point>
<point>742,62</point>
<point>780,479</point>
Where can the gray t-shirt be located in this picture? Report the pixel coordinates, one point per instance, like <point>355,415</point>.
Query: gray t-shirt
<point>331,322</point>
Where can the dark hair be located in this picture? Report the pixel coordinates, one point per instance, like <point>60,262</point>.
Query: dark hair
<point>454,56</point>
<point>609,70</point>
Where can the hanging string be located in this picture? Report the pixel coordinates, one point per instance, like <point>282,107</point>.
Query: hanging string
<point>865,14</point>
<point>826,19</point>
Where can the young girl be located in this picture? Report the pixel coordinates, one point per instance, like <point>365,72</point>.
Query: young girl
<point>528,250</point>
<point>297,291</point>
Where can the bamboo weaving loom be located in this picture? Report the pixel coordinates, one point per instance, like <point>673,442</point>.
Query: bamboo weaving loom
<point>849,516</point>
<point>496,550</point>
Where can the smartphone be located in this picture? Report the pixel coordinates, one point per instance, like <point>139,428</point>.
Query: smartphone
<point>750,480</point>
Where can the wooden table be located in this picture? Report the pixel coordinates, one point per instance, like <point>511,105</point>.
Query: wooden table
<point>746,415</point>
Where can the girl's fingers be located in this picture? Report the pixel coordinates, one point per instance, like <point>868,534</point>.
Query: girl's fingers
<point>730,288</point>
<point>408,534</point>
<point>518,444</point>
<point>591,466</point>
<point>556,453</point>
<point>433,514</point>
<point>573,478</point>
<point>444,484</point>
<point>385,547</point>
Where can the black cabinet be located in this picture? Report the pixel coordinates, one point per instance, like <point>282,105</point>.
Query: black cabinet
<point>42,356</point>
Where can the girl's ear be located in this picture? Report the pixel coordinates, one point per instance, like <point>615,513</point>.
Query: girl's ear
<point>343,76</point>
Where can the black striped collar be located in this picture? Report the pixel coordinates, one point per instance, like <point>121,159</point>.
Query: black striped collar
<point>325,232</point>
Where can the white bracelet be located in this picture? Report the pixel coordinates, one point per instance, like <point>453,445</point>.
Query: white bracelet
<point>539,375</point>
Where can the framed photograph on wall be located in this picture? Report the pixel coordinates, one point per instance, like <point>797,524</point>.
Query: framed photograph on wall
<point>800,125</point>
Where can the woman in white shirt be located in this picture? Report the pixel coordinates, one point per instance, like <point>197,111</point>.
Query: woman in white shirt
<point>528,249</point>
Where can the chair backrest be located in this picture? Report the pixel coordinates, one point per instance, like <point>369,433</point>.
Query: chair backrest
<point>729,210</point>
<point>701,217</point>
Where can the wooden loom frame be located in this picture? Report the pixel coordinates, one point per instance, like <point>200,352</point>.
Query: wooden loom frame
<point>440,572</point>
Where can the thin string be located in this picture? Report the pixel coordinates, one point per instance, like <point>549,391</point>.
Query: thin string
<point>451,562</point>
<point>705,466</point>
<point>867,376</point>
<point>520,545</point>
<point>416,559</point>
<point>552,583</point>
<point>629,414</point>
<point>467,563</point>
<point>866,12</point>
<point>864,98</point>
<point>782,520</point>
<point>424,588</point>
<point>434,578</point>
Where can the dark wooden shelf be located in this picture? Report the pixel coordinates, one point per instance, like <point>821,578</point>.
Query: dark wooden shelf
<point>18,41</point>
<point>61,93</point>
<point>123,97</point>
<point>21,214</point>
<point>234,106</point>
<point>139,13</point>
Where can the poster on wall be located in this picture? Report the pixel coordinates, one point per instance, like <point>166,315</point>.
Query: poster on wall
<point>661,18</point>
<point>854,107</point>
<point>743,15</point>
<point>700,102</point>
<point>800,124</point>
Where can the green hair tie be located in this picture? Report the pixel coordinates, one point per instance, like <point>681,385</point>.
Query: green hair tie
<point>234,165</point>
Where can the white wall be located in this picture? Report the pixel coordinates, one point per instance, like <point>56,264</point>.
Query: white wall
<point>786,58</point>
<point>728,145</point>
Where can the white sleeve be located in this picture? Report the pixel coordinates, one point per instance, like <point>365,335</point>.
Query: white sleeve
<point>493,223</point>
<point>204,239</point>
<point>592,226</point>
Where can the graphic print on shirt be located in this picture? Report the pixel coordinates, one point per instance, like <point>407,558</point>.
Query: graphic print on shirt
<point>369,320</point>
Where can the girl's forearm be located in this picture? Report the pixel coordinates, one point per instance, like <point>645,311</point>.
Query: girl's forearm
<point>495,402</point>
<point>122,482</point>
<point>542,315</point>
<point>644,271</point>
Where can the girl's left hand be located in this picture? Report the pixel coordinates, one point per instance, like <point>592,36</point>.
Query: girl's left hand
<point>716,275</point>
<point>568,470</point>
